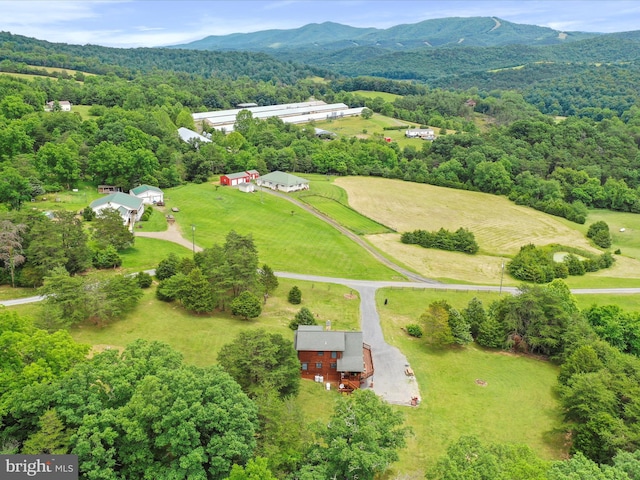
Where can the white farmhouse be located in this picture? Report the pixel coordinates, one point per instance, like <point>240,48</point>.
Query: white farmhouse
<point>129,207</point>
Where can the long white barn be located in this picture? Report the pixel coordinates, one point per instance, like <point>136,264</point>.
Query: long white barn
<point>302,112</point>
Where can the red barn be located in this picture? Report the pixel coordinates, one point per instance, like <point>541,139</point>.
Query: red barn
<point>235,179</point>
<point>338,357</point>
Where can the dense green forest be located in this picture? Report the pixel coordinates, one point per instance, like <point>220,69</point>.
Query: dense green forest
<point>127,62</point>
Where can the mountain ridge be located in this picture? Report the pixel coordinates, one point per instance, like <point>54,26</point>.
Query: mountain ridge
<point>474,31</point>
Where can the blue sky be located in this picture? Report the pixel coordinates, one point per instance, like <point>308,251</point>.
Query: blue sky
<point>147,23</point>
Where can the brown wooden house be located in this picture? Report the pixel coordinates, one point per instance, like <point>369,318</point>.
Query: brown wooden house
<point>338,357</point>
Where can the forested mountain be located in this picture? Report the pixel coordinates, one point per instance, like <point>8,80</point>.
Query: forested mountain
<point>429,64</point>
<point>128,62</point>
<point>328,37</point>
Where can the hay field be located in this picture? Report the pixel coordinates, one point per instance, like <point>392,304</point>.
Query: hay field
<point>500,227</point>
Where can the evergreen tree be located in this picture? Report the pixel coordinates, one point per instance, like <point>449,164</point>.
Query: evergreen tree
<point>295,295</point>
<point>197,295</point>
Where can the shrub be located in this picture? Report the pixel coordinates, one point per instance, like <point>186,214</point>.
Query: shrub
<point>168,267</point>
<point>88,214</point>
<point>106,258</point>
<point>303,317</point>
<point>414,330</point>
<point>246,305</point>
<point>144,279</point>
<point>599,233</point>
<point>295,295</point>
<point>618,252</point>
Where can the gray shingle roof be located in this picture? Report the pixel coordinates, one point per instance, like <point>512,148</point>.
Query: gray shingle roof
<point>352,360</point>
<point>315,339</point>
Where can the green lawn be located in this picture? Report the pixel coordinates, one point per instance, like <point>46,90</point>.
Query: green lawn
<point>8,293</point>
<point>628,302</point>
<point>287,237</point>
<point>517,405</point>
<point>157,221</point>
<point>68,199</point>
<point>200,337</point>
<point>629,240</point>
<point>146,253</point>
<point>328,198</point>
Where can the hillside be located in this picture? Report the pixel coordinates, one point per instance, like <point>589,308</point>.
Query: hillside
<point>130,61</point>
<point>329,36</point>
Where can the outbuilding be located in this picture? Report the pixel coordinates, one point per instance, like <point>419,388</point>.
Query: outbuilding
<point>148,193</point>
<point>283,182</point>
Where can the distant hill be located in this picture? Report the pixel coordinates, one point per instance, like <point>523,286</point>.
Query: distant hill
<point>329,36</point>
<point>126,62</point>
<point>445,51</point>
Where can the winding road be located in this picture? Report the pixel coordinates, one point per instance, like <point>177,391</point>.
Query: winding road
<point>389,380</point>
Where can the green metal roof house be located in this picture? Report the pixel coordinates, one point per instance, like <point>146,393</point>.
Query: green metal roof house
<point>148,194</point>
<point>283,182</point>
<point>130,208</point>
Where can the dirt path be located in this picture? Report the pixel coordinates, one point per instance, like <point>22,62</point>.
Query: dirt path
<point>171,234</point>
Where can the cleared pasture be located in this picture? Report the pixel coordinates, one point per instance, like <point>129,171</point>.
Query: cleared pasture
<point>500,227</point>
<point>371,128</point>
<point>387,97</point>
<point>287,237</point>
<point>517,405</point>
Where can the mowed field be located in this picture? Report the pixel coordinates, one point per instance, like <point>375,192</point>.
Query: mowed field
<point>500,226</point>
<point>492,394</point>
<point>287,237</point>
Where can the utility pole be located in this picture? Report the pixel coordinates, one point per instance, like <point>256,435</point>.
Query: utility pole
<point>501,277</point>
<point>193,238</point>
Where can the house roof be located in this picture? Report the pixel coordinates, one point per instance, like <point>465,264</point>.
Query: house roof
<point>118,199</point>
<point>352,360</point>
<point>283,178</point>
<point>315,339</point>
<point>145,188</point>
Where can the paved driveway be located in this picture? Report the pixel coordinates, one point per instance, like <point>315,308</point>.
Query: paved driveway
<point>389,380</point>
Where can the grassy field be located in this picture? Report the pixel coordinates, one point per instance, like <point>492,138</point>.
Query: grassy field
<point>387,97</point>
<point>500,228</point>
<point>9,293</point>
<point>517,405</point>
<point>146,253</point>
<point>287,237</point>
<point>200,337</point>
<point>67,200</point>
<point>628,302</point>
<point>363,128</point>
<point>326,197</point>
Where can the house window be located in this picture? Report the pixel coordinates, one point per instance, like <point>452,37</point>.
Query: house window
<point>319,365</point>
<point>334,354</point>
<point>320,354</point>
<point>333,365</point>
<point>305,366</point>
